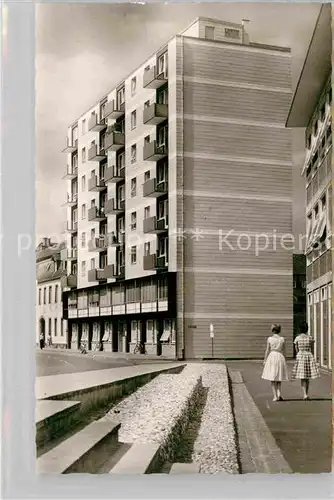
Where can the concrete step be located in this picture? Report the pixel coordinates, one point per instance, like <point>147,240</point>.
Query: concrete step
<point>51,417</point>
<point>140,459</point>
<point>179,468</point>
<point>74,451</point>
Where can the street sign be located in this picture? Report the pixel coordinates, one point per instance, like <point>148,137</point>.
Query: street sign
<point>212,334</point>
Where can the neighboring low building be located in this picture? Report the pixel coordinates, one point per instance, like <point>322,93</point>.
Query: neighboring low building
<point>49,306</point>
<point>312,109</point>
<point>299,292</point>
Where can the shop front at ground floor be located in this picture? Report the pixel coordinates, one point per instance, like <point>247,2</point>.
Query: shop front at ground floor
<point>319,320</point>
<point>155,335</point>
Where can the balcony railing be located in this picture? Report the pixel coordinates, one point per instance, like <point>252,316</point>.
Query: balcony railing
<point>72,199</point>
<point>153,262</point>
<point>155,114</point>
<point>95,154</point>
<point>112,206</point>
<point>153,80</point>
<point>71,145</point>
<point>154,225</point>
<point>71,172</point>
<point>70,281</point>
<point>154,188</point>
<point>114,174</point>
<point>114,271</point>
<point>116,240</point>
<point>97,214</point>
<point>113,111</point>
<point>71,227</point>
<point>98,244</point>
<point>96,184</point>
<point>114,140</point>
<point>95,124</point>
<point>154,152</point>
<point>96,275</point>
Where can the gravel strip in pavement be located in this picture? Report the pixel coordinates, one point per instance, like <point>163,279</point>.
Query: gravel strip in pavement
<point>215,449</point>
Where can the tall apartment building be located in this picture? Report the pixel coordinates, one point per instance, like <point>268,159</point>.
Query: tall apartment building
<point>173,179</point>
<point>49,305</point>
<point>312,109</point>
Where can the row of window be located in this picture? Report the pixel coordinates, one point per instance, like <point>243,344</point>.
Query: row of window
<point>118,295</point>
<point>52,327</point>
<point>50,295</point>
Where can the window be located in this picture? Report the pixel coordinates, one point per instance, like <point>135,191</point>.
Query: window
<point>162,64</point>
<point>162,136</point>
<point>50,294</point>
<point>120,97</point>
<point>149,292</point>
<point>103,260</point>
<point>133,187</point>
<point>147,139</point>
<point>44,296</point>
<point>75,215</point>
<point>146,104</point>
<point>39,296</point>
<point>121,193</point>
<point>55,327</point>
<point>75,161</point>
<point>133,221</point>
<point>92,263</point>
<point>56,293</point>
<point>61,329</point>
<point>163,209</point>
<point>133,153</point>
<point>83,268</point>
<point>133,85</point>
<point>121,160</point>
<point>133,119</point>
<point>83,183</point>
<point>147,212</point>
<point>83,211</point>
<point>163,289</point>
<point>163,247</point>
<point>209,32</point>
<point>83,240</point>
<point>132,293</point>
<point>147,175</point>
<point>83,127</point>
<point>230,33</point>
<point>50,327</point>
<point>83,155</point>
<point>92,203</point>
<point>133,255</point>
<point>150,332</point>
<point>162,97</point>
<point>147,248</point>
<point>92,234</point>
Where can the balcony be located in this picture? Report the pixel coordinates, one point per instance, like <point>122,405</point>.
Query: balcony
<point>114,207</point>
<point>114,140</point>
<point>95,154</point>
<point>116,240</point>
<point>96,275</point>
<point>71,146</point>
<point>96,184</point>
<point>114,174</point>
<point>72,199</point>
<point>113,111</point>
<point>69,254</point>
<point>114,271</point>
<point>98,244</point>
<point>154,152</point>
<point>96,214</point>
<point>96,125</point>
<point>154,188</point>
<point>71,172</point>
<point>70,281</point>
<point>154,226</point>
<point>71,227</point>
<point>153,262</point>
<point>155,114</point>
<point>153,80</point>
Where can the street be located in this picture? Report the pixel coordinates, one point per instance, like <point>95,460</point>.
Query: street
<point>55,362</point>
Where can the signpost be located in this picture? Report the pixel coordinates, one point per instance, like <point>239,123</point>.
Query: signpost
<point>212,334</point>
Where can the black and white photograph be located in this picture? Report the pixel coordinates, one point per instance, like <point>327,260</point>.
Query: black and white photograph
<point>183,238</point>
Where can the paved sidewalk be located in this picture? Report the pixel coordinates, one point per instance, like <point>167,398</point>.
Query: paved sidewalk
<point>58,385</point>
<point>301,429</point>
<point>105,354</point>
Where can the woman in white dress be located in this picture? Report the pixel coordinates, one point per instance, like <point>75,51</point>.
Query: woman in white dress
<point>275,369</point>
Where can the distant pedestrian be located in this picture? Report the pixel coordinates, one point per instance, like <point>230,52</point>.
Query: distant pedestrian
<point>49,340</point>
<point>41,340</point>
<point>305,367</point>
<point>275,369</point>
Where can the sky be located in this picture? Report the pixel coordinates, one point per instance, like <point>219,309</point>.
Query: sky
<point>84,50</point>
